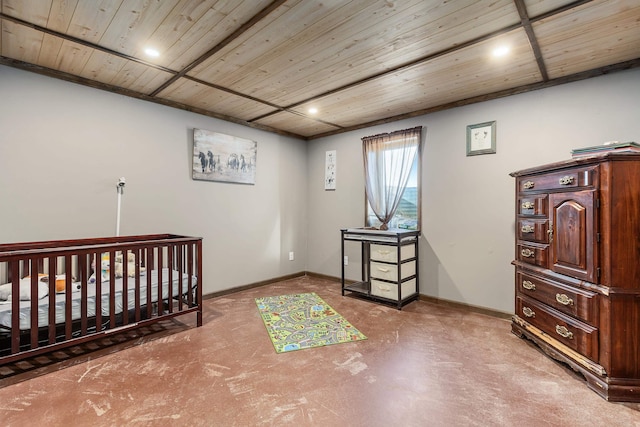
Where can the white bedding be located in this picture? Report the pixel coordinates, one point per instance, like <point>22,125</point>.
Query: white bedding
<point>76,301</point>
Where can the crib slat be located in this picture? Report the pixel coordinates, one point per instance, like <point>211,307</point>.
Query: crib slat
<point>125,287</point>
<point>159,285</point>
<point>150,264</point>
<point>180,254</point>
<point>15,306</point>
<point>68,318</point>
<point>97,300</point>
<point>51,328</point>
<point>112,289</point>
<point>190,272</point>
<point>35,288</point>
<point>139,259</point>
<point>170,287</point>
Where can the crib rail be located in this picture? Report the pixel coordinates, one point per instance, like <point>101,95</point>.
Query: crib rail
<point>66,292</point>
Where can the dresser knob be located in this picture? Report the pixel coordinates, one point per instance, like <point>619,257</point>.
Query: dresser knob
<point>527,228</point>
<point>528,253</point>
<point>564,332</point>
<point>563,299</point>
<point>528,285</point>
<point>528,185</point>
<point>566,180</point>
<point>528,205</point>
<point>528,312</point>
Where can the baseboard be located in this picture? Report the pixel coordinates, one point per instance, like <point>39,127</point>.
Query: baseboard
<point>468,307</point>
<point>253,285</point>
<point>430,299</point>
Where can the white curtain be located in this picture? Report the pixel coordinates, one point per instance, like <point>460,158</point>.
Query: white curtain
<point>388,159</point>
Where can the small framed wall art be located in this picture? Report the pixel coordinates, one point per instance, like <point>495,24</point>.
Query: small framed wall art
<point>481,138</point>
<point>330,170</point>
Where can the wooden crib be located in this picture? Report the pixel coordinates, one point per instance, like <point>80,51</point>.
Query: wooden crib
<point>61,293</point>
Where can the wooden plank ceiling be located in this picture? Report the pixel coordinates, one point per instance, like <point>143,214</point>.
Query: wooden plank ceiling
<point>265,63</point>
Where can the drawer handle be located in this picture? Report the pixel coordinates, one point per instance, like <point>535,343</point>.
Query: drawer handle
<point>528,312</point>
<point>564,332</point>
<point>384,270</point>
<point>528,205</point>
<point>381,252</point>
<point>566,180</point>
<point>564,299</point>
<point>528,185</point>
<point>527,229</point>
<point>528,285</point>
<point>528,253</point>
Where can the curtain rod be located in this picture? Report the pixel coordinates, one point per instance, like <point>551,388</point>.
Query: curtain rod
<point>417,128</point>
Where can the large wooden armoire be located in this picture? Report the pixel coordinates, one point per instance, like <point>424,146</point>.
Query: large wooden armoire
<point>577,275</point>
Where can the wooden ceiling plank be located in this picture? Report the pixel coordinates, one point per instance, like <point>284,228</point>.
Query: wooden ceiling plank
<point>244,27</point>
<point>91,19</point>
<point>370,48</point>
<point>613,36</point>
<point>221,19</point>
<point>50,50</point>
<point>37,10</point>
<point>103,67</point>
<point>20,42</point>
<point>133,24</point>
<point>60,14</point>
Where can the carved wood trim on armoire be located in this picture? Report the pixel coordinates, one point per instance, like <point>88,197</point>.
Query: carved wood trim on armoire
<point>577,267</point>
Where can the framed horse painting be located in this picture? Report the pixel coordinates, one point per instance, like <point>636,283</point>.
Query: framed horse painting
<point>226,158</point>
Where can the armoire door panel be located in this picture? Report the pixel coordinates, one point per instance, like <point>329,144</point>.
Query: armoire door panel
<point>573,249</point>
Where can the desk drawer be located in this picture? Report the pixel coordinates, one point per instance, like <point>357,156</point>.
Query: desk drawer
<point>573,333</point>
<point>563,179</point>
<point>390,253</point>
<point>390,290</point>
<point>390,271</point>
<point>532,254</point>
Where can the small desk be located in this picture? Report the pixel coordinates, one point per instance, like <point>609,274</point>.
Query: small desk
<point>389,265</point>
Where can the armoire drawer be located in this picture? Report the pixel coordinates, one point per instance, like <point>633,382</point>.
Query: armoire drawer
<point>390,253</point>
<point>564,179</point>
<point>533,230</point>
<point>390,271</point>
<point>390,290</point>
<point>573,333</point>
<point>533,205</point>
<point>533,254</point>
<point>578,303</point>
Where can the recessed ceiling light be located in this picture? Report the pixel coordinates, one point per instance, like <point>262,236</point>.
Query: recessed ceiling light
<point>152,52</point>
<point>312,110</point>
<point>500,51</point>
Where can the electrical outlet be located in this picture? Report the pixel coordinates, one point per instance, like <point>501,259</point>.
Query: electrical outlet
<point>291,257</point>
<point>346,260</point>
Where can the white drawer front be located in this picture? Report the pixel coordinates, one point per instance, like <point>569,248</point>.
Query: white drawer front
<point>390,253</point>
<point>390,271</point>
<point>390,290</point>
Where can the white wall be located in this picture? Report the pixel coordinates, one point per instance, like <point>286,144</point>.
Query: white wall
<point>468,202</point>
<point>63,147</point>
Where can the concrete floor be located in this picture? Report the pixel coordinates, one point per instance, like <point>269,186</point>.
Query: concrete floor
<point>427,365</point>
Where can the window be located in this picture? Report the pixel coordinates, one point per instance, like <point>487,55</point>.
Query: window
<point>392,175</point>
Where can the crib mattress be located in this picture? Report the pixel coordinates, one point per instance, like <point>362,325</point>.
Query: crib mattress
<point>76,299</point>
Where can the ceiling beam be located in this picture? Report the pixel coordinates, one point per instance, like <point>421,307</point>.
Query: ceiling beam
<point>533,41</point>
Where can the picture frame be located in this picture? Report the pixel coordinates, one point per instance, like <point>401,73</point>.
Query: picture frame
<point>330,163</point>
<point>224,158</point>
<point>481,138</point>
